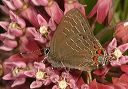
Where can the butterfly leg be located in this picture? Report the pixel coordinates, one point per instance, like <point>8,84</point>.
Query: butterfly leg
<point>89,77</point>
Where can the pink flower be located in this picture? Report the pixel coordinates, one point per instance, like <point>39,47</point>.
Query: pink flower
<point>121,32</point>
<point>13,29</point>
<point>102,72</point>
<point>84,86</point>
<point>117,53</point>
<point>8,45</point>
<point>120,83</point>
<point>96,85</point>
<point>41,73</point>
<point>24,9</point>
<point>52,9</point>
<point>30,50</point>
<point>4,9</point>
<point>70,4</point>
<point>15,71</point>
<point>40,2</point>
<point>43,33</point>
<point>64,81</point>
<point>102,9</point>
<point>124,68</point>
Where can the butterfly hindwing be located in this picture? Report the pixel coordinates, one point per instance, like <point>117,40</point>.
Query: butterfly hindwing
<point>73,44</point>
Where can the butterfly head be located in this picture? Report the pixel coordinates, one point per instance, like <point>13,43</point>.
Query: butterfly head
<point>46,51</point>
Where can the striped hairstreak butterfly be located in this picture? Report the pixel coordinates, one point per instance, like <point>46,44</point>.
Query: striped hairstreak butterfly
<point>73,44</point>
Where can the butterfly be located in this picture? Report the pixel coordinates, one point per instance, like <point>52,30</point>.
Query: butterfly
<point>74,46</point>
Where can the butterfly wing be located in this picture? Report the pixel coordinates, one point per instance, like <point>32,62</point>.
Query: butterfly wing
<point>73,44</point>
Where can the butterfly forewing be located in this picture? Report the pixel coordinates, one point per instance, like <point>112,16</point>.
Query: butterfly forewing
<point>73,44</point>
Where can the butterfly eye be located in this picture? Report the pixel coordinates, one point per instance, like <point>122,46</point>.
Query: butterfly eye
<point>46,51</point>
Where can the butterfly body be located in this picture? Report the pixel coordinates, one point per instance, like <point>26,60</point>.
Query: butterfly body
<point>73,44</point>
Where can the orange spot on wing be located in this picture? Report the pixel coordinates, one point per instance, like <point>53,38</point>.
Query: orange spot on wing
<point>100,52</point>
<point>95,59</point>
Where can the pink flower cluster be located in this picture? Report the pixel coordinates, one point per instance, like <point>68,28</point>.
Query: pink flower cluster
<point>29,29</point>
<point>19,71</point>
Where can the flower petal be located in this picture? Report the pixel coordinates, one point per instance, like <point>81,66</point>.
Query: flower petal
<point>9,65</point>
<point>18,3</point>
<point>52,24</point>
<point>20,64</point>
<point>112,45</point>
<point>72,83</point>
<point>68,5</point>
<point>41,20</point>
<point>18,81</point>
<point>54,11</point>
<point>39,65</point>
<point>85,86</point>
<point>9,4</point>
<point>122,60</point>
<point>31,15</point>
<point>30,73</point>
<point>4,9</point>
<point>54,78</point>
<point>5,48</point>
<point>8,77</point>
<point>7,35</point>
<point>46,81</point>
<point>4,24</point>
<point>16,31</point>
<point>16,57</point>
<point>36,84</point>
<point>123,47</point>
<point>17,19</point>
<point>10,43</point>
<point>102,86</point>
<point>124,68</point>
<point>102,11</point>
<point>38,37</point>
<point>93,85</point>
<point>65,75</point>
<point>40,2</point>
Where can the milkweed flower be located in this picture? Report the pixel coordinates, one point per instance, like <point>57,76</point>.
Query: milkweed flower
<point>43,33</point>
<point>14,28</point>
<point>41,74</point>
<point>121,32</point>
<point>24,9</point>
<point>64,81</point>
<point>102,9</point>
<point>52,9</point>
<point>117,53</point>
<point>15,72</point>
<point>70,4</point>
<point>28,31</point>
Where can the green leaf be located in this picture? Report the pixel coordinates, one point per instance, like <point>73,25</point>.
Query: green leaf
<point>90,4</point>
